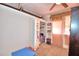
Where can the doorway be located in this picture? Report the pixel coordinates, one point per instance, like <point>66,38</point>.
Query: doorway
<point>42,32</point>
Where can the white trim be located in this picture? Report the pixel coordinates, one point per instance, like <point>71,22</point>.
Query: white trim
<point>64,45</point>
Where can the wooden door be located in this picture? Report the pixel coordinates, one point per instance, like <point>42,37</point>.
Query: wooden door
<point>57,32</point>
<point>74,33</point>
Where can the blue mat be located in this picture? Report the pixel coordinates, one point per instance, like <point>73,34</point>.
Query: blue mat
<point>24,52</point>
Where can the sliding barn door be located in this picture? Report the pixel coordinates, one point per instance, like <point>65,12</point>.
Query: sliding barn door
<point>57,31</point>
<point>60,29</point>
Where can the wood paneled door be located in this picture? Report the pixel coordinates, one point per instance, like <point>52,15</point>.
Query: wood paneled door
<point>60,29</point>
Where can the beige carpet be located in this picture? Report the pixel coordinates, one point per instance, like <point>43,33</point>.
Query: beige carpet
<point>50,50</point>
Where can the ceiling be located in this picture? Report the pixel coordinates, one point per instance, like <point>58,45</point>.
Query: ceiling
<point>42,9</point>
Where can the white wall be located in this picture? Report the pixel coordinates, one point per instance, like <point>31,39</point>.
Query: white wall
<point>16,30</point>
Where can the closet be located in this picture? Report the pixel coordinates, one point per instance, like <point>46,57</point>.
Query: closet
<point>40,27</point>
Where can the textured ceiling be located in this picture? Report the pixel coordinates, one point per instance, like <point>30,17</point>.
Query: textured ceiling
<point>42,9</point>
